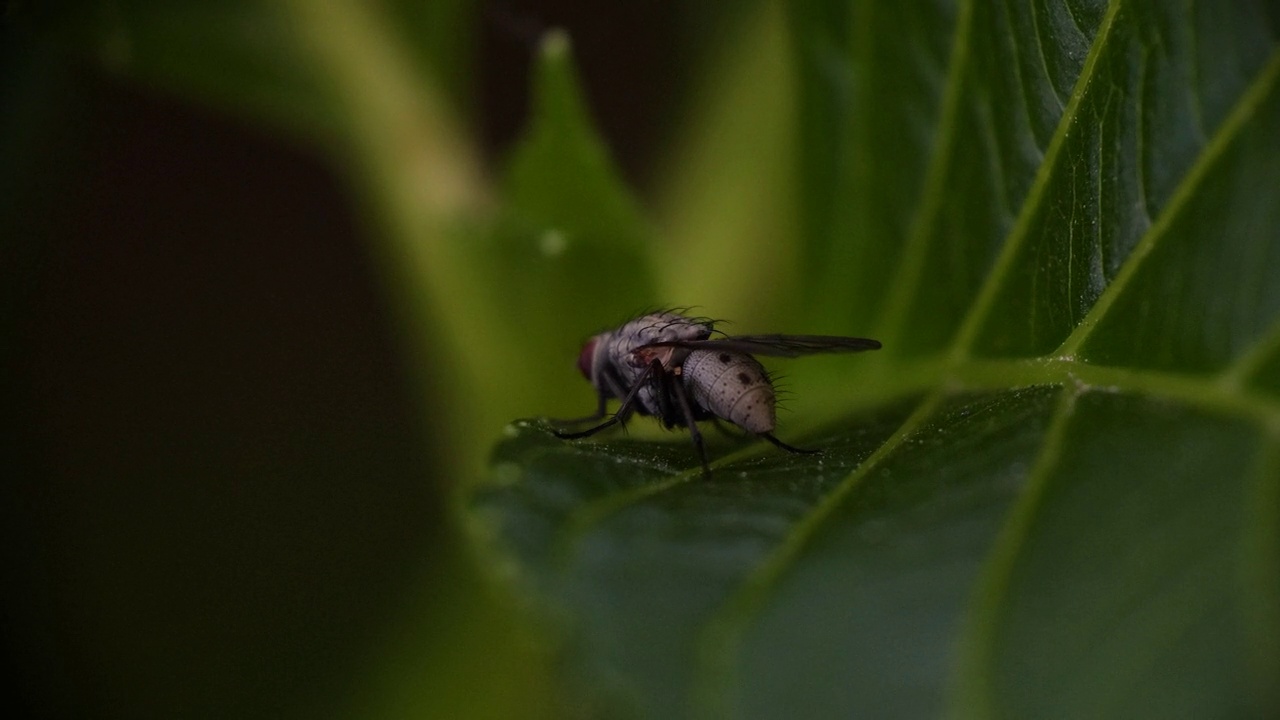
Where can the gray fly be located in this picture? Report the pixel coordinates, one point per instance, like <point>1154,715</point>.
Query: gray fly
<point>668,365</point>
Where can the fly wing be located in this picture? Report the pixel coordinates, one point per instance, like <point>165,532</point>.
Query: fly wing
<point>775,345</point>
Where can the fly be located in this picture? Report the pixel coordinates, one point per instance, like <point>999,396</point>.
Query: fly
<point>666,364</point>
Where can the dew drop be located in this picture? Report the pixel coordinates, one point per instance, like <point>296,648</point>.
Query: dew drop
<point>553,243</point>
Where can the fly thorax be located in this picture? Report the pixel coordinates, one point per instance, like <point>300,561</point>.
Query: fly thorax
<point>656,327</point>
<point>662,326</point>
<point>733,386</point>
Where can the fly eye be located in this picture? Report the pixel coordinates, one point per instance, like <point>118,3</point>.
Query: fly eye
<point>586,358</point>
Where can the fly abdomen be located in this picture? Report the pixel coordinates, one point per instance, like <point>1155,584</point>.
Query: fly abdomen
<point>733,386</point>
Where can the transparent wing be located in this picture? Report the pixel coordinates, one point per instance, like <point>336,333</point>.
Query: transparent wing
<point>775,345</point>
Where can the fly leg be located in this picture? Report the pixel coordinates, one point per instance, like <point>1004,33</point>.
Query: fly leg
<point>602,398</point>
<point>623,412</point>
<point>683,398</point>
<point>788,448</point>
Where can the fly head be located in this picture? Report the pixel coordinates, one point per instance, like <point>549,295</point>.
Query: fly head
<point>586,358</point>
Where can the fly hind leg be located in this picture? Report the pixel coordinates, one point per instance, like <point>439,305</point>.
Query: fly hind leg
<point>788,448</point>
<point>694,432</point>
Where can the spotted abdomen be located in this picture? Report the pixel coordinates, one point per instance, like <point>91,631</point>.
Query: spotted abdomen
<point>733,386</point>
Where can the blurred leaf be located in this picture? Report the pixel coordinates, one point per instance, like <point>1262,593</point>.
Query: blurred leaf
<point>350,79</point>
<point>571,252</point>
<point>561,175</point>
<point>376,87</point>
<point>240,53</point>
<point>727,205</point>
<point>247,55</point>
<point>1056,491</point>
<point>366,84</point>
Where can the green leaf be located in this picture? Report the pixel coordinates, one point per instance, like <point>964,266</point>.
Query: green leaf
<point>572,235</point>
<point>1057,489</point>
<point>568,253</point>
<point>561,174</point>
<point>869,111</point>
<point>253,57</point>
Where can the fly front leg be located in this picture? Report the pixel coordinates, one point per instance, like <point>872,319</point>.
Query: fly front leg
<point>602,399</point>
<point>788,448</point>
<point>601,411</point>
<point>628,404</point>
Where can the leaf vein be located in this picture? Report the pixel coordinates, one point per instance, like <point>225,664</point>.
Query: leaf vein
<point>971,691</point>
<point>1251,361</point>
<point>1044,59</point>
<point>1071,13</point>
